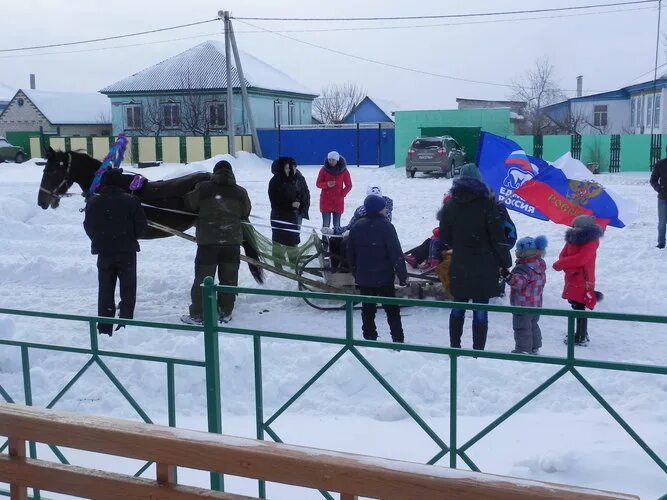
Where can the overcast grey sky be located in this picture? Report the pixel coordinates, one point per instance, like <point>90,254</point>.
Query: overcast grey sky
<point>609,49</point>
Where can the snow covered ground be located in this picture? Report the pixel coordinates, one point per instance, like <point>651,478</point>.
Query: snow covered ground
<point>562,436</point>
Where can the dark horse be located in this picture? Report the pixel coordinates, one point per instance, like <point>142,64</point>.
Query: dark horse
<point>163,201</point>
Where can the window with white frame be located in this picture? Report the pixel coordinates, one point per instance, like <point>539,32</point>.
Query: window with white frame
<point>656,114</point>
<point>133,117</point>
<point>640,115</point>
<point>649,110</point>
<point>171,115</point>
<point>277,113</point>
<point>600,115</point>
<point>633,105</point>
<point>217,114</point>
<point>290,113</point>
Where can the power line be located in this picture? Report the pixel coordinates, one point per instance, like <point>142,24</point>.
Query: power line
<point>116,37</point>
<point>447,16</point>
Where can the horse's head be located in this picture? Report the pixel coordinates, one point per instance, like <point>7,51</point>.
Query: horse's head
<point>55,179</point>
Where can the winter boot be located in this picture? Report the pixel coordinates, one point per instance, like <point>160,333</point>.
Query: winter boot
<point>581,334</point>
<point>429,265</point>
<point>191,320</point>
<point>455,331</point>
<point>479,331</point>
<point>411,260</point>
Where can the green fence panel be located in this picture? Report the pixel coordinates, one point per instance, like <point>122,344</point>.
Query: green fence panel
<point>596,149</point>
<point>635,153</point>
<point>555,146</point>
<point>526,142</point>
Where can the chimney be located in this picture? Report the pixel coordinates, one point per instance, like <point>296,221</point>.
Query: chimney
<point>580,85</point>
<point>32,81</point>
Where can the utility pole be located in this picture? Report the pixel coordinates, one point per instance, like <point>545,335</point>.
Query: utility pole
<point>230,85</point>
<point>655,70</point>
<point>244,93</point>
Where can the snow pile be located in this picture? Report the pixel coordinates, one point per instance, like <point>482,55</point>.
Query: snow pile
<point>561,436</point>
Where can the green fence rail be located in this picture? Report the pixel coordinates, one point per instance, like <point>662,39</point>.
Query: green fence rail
<point>211,332</point>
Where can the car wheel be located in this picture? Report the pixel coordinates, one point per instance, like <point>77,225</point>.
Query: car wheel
<point>20,158</point>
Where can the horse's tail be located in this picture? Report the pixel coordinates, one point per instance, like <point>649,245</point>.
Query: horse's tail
<point>250,249</point>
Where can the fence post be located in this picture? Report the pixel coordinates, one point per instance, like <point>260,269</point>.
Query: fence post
<point>17,450</point>
<point>259,401</point>
<point>212,358</point>
<point>452,410</point>
<point>379,145</point>
<point>358,143</point>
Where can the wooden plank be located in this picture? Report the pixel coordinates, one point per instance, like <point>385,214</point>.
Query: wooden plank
<point>309,467</point>
<point>166,474</point>
<point>17,452</point>
<point>88,483</point>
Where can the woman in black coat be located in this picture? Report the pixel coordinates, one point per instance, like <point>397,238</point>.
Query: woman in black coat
<point>472,226</point>
<point>284,195</point>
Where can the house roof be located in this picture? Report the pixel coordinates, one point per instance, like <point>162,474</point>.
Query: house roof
<point>203,67</point>
<point>6,92</point>
<point>69,108</point>
<point>493,101</point>
<point>384,105</point>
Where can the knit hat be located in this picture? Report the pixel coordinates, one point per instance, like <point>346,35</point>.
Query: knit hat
<point>222,164</point>
<point>374,204</point>
<point>333,155</point>
<point>113,177</point>
<point>470,171</point>
<point>376,190</point>
<point>528,247</point>
<point>581,221</point>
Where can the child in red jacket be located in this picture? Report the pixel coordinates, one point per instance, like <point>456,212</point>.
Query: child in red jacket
<point>335,182</point>
<point>577,260</point>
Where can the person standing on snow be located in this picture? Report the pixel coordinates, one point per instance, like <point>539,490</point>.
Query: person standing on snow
<point>376,258</point>
<point>285,195</point>
<point>472,227</point>
<point>114,221</point>
<point>577,260</point>
<point>527,281</point>
<point>659,183</point>
<point>335,182</point>
<point>222,206</point>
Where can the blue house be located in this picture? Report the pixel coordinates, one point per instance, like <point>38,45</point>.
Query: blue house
<point>372,111</point>
<point>187,95</point>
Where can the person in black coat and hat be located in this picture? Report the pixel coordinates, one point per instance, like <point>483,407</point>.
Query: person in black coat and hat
<point>114,221</point>
<point>375,259</point>
<point>472,226</point>
<point>287,201</point>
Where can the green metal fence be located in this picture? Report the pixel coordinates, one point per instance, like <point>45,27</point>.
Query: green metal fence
<point>348,344</point>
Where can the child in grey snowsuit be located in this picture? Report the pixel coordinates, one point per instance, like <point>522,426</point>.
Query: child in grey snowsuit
<point>527,281</point>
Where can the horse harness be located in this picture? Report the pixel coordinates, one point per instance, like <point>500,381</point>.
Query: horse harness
<point>54,192</point>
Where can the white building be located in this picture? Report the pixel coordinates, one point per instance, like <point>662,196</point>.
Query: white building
<point>636,109</point>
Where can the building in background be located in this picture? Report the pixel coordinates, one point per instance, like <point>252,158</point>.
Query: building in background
<point>6,95</point>
<point>517,110</point>
<point>635,109</point>
<point>372,110</point>
<point>187,95</point>
<point>57,113</point>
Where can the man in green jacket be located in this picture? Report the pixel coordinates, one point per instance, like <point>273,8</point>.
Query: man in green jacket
<point>222,206</point>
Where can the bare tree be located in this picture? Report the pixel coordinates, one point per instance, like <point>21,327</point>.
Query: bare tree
<point>195,117</point>
<point>537,88</point>
<point>152,122</point>
<point>574,122</point>
<point>336,101</point>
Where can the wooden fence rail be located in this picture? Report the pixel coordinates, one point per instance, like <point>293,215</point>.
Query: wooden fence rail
<point>351,475</point>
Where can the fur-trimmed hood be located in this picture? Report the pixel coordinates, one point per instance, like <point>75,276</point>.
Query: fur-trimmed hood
<point>583,235</point>
<point>465,189</point>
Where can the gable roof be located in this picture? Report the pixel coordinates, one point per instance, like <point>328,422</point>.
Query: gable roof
<point>385,106</point>
<point>70,108</point>
<point>6,92</point>
<point>203,67</point>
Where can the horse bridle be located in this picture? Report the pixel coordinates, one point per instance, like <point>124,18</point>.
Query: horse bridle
<point>54,192</point>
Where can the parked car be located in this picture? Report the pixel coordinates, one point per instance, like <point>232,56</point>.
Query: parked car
<point>436,155</point>
<point>10,153</point>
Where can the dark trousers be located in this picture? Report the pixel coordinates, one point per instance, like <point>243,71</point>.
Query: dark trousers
<point>368,311</point>
<point>121,267</point>
<point>581,329</point>
<point>480,324</point>
<point>223,258</point>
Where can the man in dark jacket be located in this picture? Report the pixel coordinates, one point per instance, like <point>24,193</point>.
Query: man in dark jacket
<point>223,206</point>
<point>114,221</point>
<point>659,183</point>
<point>472,226</point>
<point>375,258</point>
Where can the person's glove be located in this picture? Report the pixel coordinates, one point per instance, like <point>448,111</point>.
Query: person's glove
<point>327,230</point>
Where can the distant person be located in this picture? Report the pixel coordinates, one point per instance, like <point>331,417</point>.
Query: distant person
<point>114,221</point>
<point>659,183</point>
<point>335,183</point>
<point>526,281</point>
<point>223,206</point>
<point>577,260</point>
<point>376,258</point>
<point>472,227</point>
<point>286,197</point>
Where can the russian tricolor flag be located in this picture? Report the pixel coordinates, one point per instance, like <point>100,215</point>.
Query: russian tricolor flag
<point>558,192</point>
